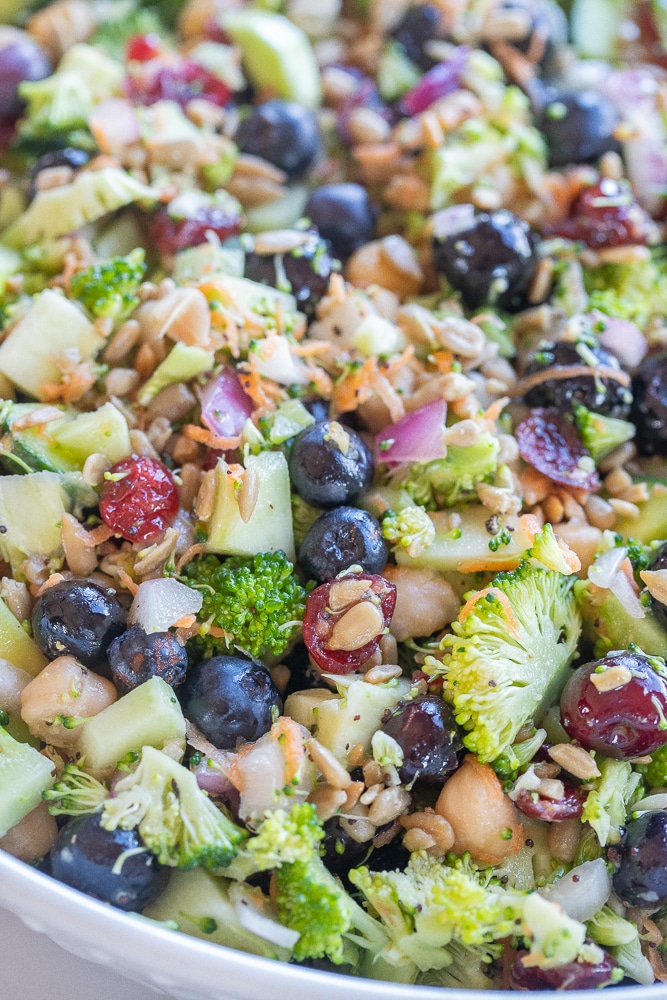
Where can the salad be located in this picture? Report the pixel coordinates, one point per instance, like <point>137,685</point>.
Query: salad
<point>333,492</point>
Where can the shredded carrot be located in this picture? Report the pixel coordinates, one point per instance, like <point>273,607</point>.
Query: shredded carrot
<point>530,525</point>
<point>126,580</point>
<point>289,733</point>
<point>626,567</point>
<point>48,583</point>
<point>355,387</point>
<point>321,381</point>
<point>186,622</point>
<point>399,360</point>
<point>443,361</point>
<point>312,347</point>
<point>252,384</point>
<point>189,554</point>
<point>510,617</point>
<point>99,535</point>
<point>210,439</point>
<point>492,412</point>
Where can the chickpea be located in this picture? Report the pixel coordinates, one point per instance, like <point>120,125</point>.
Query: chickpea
<point>65,689</point>
<point>425,602</point>
<point>33,836</point>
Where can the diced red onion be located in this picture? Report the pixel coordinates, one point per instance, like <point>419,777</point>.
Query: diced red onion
<point>159,604</point>
<point>443,79</point>
<point>583,891</point>
<point>625,340</point>
<point>417,437</point>
<point>225,406</point>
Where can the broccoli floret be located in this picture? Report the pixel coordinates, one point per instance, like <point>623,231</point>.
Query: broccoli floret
<point>508,656</point>
<point>518,756</point>
<point>75,793</point>
<point>176,820</point>
<point>286,837</point>
<point>410,529</point>
<point>551,552</point>
<point>610,930</point>
<point>257,602</point>
<point>469,970</point>
<point>607,803</point>
<point>634,291</point>
<point>450,480</point>
<point>55,105</point>
<point>655,773</point>
<point>110,289</point>
<point>601,434</point>
<point>113,34</point>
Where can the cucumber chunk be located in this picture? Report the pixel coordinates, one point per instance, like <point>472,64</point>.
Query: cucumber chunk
<point>344,722</point>
<point>181,364</point>
<point>651,525</point>
<point>51,326</point>
<point>104,432</point>
<point>269,527</point>
<point>24,774</point>
<point>31,510</point>
<point>150,715</point>
<point>36,446</point>
<point>16,646</point>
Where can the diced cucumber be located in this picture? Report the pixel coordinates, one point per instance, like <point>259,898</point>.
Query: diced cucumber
<point>24,774</point>
<point>208,260</point>
<point>51,326</point>
<point>597,27</point>
<point>269,527</point>
<point>199,902</point>
<point>36,446</point>
<point>255,296</point>
<point>31,511</point>
<point>181,364</point>
<point>466,547</point>
<point>304,706</point>
<point>651,525</point>
<point>344,722</point>
<point>104,432</point>
<point>149,715</point>
<point>277,55</point>
<point>16,646</point>
<point>282,213</point>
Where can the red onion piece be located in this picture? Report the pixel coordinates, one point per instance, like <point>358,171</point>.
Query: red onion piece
<point>417,437</point>
<point>625,340</point>
<point>443,79</point>
<point>225,406</point>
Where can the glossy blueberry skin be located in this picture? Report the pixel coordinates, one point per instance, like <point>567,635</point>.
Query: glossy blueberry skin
<point>491,260</point>
<point>340,851</point>
<point>341,538</point>
<point>231,700</point>
<point>344,215</point>
<point>284,133</point>
<point>83,856</point>
<point>578,127</point>
<point>599,393</point>
<point>322,473</point>
<point>427,734</point>
<point>419,25</point>
<point>641,879</point>
<point>135,657</point>
<point>650,407</point>
<point>21,60</point>
<point>307,270</point>
<point>78,618</point>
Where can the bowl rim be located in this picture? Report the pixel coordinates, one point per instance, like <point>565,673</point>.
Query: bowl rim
<point>162,957</point>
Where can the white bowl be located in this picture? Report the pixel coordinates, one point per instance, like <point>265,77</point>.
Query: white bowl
<point>190,969</point>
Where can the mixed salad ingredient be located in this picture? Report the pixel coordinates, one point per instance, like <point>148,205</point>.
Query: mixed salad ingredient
<point>333,491</point>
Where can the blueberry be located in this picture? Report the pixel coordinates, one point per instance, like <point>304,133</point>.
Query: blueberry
<point>427,734</point>
<point>650,406</point>
<point>418,26</point>
<point>641,879</point>
<point>602,388</point>
<point>329,464</point>
<point>304,271</point>
<point>284,133</point>
<point>341,538</point>
<point>84,856</point>
<point>135,657</point>
<point>21,60</point>
<point>343,214</point>
<point>578,127</point>
<point>231,700</point>
<point>78,618</point>
<point>488,258</point>
<point>340,851</point>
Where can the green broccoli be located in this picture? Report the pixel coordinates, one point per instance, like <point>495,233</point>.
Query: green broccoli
<point>606,805</point>
<point>286,837</point>
<point>621,938</point>
<point>508,657</point>
<point>75,793</point>
<point>257,601</point>
<point>469,970</point>
<point>110,289</point>
<point>518,755</point>
<point>411,529</point>
<point>451,480</point>
<point>601,434</point>
<point>113,34</point>
<point>655,773</point>
<point>55,106</point>
<point>635,291</point>
<point>176,820</point>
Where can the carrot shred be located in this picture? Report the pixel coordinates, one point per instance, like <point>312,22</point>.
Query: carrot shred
<point>510,618</point>
<point>289,733</point>
<point>210,439</point>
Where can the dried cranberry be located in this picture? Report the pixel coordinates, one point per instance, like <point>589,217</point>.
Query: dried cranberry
<point>573,976</point>
<point>143,48</point>
<point>181,82</point>
<point>139,499</point>
<point>172,235</point>
<point>605,215</point>
<point>617,706</point>
<point>550,443</point>
<point>329,603</point>
<point>550,810</point>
